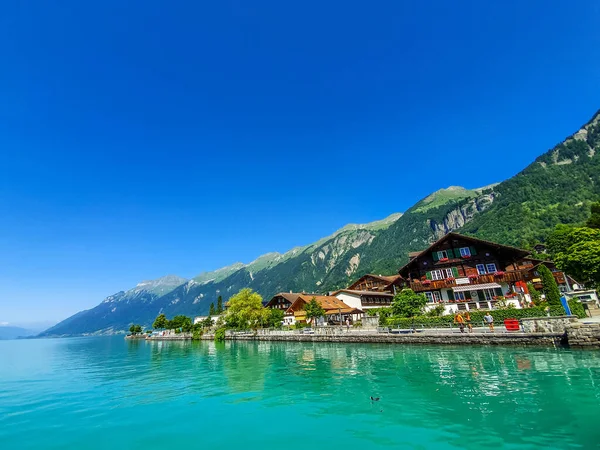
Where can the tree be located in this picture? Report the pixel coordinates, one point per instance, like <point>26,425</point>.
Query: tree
<point>138,328</point>
<point>549,286</point>
<point>314,310</point>
<point>219,305</point>
<point>245,310</point>
<point>535,295</point>
<point>407,303</point>
<point>181,322</point>
<point>160,322</point>
<point>581,256</point>
<point>275,318</point>
<point>135,329</point>
<point>211,310</point>
<point>594,220</point>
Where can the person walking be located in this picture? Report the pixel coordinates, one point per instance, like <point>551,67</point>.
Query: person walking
<point>468,320</point>
<point>489,320</point>
<point>460,320</point>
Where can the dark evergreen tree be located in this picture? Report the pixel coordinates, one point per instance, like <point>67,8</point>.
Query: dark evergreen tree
<point>594,220</point>
<point>220,305</point>
<point>550,288</point>
<point>211,310</point>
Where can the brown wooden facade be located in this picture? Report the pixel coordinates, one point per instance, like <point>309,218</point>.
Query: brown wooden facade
<point>377,283</point>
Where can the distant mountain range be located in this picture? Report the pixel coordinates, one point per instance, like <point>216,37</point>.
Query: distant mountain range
<point>556,188</point>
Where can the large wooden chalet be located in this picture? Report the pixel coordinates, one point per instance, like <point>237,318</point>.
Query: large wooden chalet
<point>471,273</point>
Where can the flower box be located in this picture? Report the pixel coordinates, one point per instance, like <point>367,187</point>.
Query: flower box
<point>473,277</point>
<point>443,259</point>
<point>450,279</point>
<point>466,256</point>
<point>499,274</point>
<point>426,282</point>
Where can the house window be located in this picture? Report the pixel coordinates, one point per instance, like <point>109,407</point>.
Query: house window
<point>433,297</point>
<point>465,251</point>
<point>459,296</point>
<point>442,254</point>
<point>437,275</point>
<point>491,268</point>
<point>480,269</point>
<point>449,273</point>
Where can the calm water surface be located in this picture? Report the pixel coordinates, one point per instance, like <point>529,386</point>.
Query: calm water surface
<point>107,393</point>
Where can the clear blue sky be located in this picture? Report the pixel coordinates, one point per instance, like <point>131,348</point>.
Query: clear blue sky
<point>144,138</point>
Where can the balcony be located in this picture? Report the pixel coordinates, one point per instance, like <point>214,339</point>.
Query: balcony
<point>506,277</point>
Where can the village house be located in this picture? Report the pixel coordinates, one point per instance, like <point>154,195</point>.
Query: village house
<point>370,291</point>
<point>462,272</point>
<point>335,309</point>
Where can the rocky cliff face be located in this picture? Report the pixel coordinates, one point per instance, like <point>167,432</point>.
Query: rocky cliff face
<point>460,216</point>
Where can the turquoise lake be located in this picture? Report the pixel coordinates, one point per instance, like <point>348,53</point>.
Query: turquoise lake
<point>108,393</point>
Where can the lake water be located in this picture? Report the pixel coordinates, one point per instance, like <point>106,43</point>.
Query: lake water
<point>108,393</point>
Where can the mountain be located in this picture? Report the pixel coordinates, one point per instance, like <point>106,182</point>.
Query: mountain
<point>10,332</point>
<point>556,188</point>
<point>118,311</point>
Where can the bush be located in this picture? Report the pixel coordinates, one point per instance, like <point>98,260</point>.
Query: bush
<point>220,335</point>
<point>197,334</point>
<point>300,325</point>
<point>577,308</point>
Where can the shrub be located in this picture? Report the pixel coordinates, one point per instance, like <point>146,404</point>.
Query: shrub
<point>476,317</point>
<point>577,308</point>
<point>220,335</point>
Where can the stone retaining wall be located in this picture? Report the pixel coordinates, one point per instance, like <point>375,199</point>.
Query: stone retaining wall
<point>521,339</point>
<point>584,335</point>
<point>554,324</point>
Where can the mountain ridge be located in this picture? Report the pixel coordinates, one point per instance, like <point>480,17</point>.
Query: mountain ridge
<point>555,188</point>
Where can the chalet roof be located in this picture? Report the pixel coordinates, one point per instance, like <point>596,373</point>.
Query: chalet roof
<point>519,251</point>
<point>327,302</point>
<point>369,293</point>
<point>389,279</point>
<point>289,296</point>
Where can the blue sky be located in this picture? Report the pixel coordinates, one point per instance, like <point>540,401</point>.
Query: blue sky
<point>145,138</point>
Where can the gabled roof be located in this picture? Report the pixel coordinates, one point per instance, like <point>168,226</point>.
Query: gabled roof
<point>519,251</point>
<point>389,279</point>
<point>369,293</point>
<point>327,302</point>
<point>289,296</point>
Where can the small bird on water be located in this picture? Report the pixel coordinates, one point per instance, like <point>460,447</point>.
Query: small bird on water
<point>374,399</point>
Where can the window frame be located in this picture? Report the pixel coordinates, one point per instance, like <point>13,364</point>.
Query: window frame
<point>481,271</point>
<point>487,267</point>
<point>466,252</point>
<point>429,296</point>
<point>457,296</point>
<point>437,296</point>
<point>441,254</point>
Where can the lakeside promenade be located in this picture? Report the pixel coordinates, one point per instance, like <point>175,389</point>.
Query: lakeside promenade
<point>548,332</point>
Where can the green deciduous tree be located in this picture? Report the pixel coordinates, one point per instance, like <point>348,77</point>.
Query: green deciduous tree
<point>245,310</point>
<point>211,310</point>
<point>135,329</point>
<point>275,318</point>
<point>407,303</point>
<point>313,310</point>
<point>549,286</point>
<point>219,305</point>
<point>181,322</point>
<point>581,257</point>
<point>160,322</point>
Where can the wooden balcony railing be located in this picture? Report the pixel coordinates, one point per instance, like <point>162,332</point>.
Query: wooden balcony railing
<point>507,277</point>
